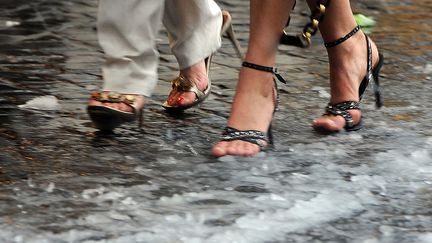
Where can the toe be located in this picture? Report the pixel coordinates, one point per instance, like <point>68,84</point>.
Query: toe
<point>219,149</point>
<point>335,123</point>
<point>249,149</point>
<point>93,102</point>
<point>181,99</point>
<point>239,148</point>
<point>328,123</point>
<point>124,107</point>
<point>187,98</point>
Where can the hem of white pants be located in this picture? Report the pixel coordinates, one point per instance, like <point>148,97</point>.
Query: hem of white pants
<point>190,60</point>
<point>136,87</point>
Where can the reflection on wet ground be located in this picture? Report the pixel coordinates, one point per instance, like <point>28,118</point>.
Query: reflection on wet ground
<point>63,182</point>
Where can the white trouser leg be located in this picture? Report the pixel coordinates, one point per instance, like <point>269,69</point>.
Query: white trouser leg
<point>194,29</point>
<point>127,30</point>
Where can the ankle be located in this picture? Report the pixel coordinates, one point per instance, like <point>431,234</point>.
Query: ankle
<point>355,47</point>
<point>348,64</point>
<point>197,73</point>
<point>256,81</point>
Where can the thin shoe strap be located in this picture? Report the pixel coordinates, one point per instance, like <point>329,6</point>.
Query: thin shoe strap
<point>369,57</point>
<point>340,109</point>
<point>367,79</point>
<point>115,97</point>
<point>252,136</point>
<point>265,69</point>
<point>342,39</point>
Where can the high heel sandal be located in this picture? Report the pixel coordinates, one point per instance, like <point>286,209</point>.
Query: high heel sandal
<point>262,139</point>
<point>106,118</point>
<point>182,84</point>
<point>341,109</point>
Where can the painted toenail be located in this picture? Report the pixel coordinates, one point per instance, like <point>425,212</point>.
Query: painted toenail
<point>180,100</point>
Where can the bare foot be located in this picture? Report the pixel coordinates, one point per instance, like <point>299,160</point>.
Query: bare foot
<point>197,74</point>
<point>348,65</point>
<point>252,109</point>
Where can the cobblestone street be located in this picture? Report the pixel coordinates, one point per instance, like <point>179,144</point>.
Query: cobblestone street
<point>62,181</point>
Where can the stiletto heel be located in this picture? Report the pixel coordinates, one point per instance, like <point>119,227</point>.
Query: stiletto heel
<point>341,109</point>
<point>106,118</point>
<point>263,139</point>
<point>376,85</point>
<point>182,84</point>
<point>141,118</point>
<point>270,133</point>
<point>227,28</point>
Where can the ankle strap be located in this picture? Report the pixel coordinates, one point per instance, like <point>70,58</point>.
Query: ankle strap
<point>340,40</point>
<point>265,69</point>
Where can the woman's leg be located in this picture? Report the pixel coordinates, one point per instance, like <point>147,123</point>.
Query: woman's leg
<point>254,101</point>
<point>348,60</point>
<point>194,28</point>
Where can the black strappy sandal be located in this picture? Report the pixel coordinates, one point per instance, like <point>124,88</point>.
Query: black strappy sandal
<point>262,139</point>
<point>341,109</point>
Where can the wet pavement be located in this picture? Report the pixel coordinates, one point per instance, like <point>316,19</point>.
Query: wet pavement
<point>61,181</point>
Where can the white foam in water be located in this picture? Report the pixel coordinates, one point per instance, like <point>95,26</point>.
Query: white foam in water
<point>295,203</point>
<point>367,181</point>
<point>415,163</point>
<point>425,238</point>
<point>273,225</point>
<point>10,23</point>
<point>47,103</point>
<point>129,201</point>
<point>427,69</point>
<point>50,187</point>
<point>90,193</point>
<point>322,92</point>
<point>257,226</point>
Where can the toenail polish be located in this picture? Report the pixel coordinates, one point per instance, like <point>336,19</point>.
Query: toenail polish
<point>180,100</point>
